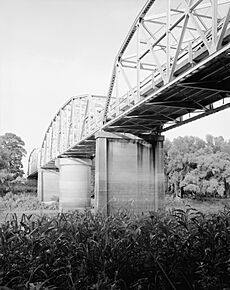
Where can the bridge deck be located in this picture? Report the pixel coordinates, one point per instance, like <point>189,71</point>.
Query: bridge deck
<point>196,89</point>
<point>175,69</point>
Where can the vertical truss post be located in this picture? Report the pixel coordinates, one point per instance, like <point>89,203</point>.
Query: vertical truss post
<point>64,133</point>
<point>214,25</point>
<point>62,126</point>
<point>93,120</point>
<point>75,118</point>
<point>196,24</point>
<point>78,120</point>
<point>51,140</point>
<point>117,91</point>
<point>223,29</point>
<point>46,148</point>
<point>59,132</point>
<point>54,146</point>
<point>70,122</point>
<point>168,40</point>
<point>47,145</point>
<point>138,64</point>
<point>179,46</point>
<point>155,59</point>
<point>84,119</point>
<point>90,113</point>
<point>128,84</point>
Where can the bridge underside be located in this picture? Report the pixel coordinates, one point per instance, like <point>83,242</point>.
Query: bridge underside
<point>126,172</point>
<point>138,184</point>
<point>202,86</point>
<point>171,69</point>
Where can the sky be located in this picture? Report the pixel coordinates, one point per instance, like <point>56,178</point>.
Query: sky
<point>52,50</point>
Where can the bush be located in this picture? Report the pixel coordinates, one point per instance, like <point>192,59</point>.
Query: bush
<point>177,250</point>
<point>23,186</point>
<point>24,202</point>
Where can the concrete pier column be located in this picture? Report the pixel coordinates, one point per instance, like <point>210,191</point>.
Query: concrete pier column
<point>129,173</point>
<point>74,183</point>
<point>48,184</point>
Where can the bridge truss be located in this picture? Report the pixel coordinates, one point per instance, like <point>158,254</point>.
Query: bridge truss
<point>172,64</point>
<point>172,68</point>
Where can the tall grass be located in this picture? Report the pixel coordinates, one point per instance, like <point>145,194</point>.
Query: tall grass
<point>176,250</point>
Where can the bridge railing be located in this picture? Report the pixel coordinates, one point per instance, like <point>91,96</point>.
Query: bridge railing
<point>159,47</point>
<point>77,119</point>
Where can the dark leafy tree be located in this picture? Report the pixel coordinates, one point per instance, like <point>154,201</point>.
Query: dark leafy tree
<point>11,153</point>
<point>197,167</point>
<point>181,158</point>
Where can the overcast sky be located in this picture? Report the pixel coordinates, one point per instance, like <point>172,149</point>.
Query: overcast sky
<point>53,49</point>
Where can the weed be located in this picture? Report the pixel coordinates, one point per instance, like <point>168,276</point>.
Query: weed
<point>175,250</point>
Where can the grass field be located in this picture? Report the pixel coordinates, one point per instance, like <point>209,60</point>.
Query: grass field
<point>207,207</point>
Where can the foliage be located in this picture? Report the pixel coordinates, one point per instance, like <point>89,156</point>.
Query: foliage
<point>177,250</point>
<point>198,168</point>
<point>11,154</point>
<point>22,202</point>
<point>24,186</point>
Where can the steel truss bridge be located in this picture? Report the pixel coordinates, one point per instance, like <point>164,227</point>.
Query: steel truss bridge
<point>172,68</point>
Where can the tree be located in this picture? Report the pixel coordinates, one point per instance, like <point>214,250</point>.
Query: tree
<point>11,153</point>
<point>217,144</point>
<point>181,158</point>
<point>198,168</point>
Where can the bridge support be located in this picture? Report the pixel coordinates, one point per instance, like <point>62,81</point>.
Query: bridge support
<point>129,173</point>
<point>74,183</point>
<point>48,184</point>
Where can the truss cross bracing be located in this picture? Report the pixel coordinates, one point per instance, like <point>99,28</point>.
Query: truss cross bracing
<point>171,69</point>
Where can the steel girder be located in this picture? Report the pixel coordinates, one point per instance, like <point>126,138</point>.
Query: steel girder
<point>74,122</point>
<point>158,49</point>
<point>171,69</point>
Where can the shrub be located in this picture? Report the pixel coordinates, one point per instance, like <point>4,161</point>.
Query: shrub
<point>23,186</point>
<point>24,202</point>
<point>177,250</point>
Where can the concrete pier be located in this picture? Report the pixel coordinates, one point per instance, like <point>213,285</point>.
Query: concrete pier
<point>129,173</point>
<point>74,183</point>
<point>48,184</point>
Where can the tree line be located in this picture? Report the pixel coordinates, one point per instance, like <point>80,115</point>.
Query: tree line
<point>193,167</point>
<point>197,168</point>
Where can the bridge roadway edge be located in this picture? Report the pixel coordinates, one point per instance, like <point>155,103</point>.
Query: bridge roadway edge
<point>195,84</point>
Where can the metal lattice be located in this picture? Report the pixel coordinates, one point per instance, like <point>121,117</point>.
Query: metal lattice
<point>74,122</point>
<point>171,69</point>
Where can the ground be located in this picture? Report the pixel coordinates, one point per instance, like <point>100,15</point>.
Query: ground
<point>207,207</point>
